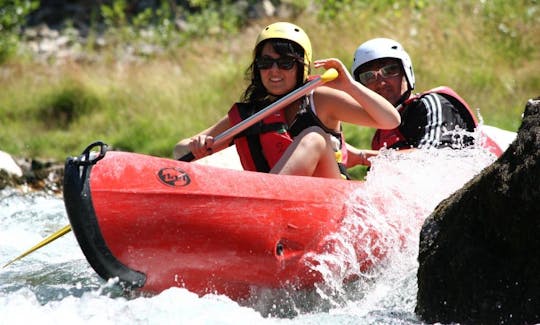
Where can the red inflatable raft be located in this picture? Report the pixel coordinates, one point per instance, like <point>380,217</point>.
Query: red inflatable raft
<point>156,223</point>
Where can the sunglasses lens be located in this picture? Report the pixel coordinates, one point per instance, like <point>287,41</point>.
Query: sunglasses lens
<point>264,63</point>
<point>286,63</point>
<point>367,77</point>
<point>390,70</point>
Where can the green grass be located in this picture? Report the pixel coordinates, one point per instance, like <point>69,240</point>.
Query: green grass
<point>486,52</point>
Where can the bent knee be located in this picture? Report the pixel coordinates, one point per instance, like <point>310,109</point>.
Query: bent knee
<point>314,132</point>
<point>313,137</point>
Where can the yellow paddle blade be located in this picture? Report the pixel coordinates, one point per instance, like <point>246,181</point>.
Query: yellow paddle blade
<point>44,242</point>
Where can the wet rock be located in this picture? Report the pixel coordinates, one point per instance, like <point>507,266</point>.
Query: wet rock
<point>478,257</point>
<point>31,174</point>
<point>8,165</point>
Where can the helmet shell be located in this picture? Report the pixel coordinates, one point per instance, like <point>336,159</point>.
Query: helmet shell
<point>289,32</point>
<point>379,48</point>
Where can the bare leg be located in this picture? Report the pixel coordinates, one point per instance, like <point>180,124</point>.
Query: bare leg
<point>310,154</point>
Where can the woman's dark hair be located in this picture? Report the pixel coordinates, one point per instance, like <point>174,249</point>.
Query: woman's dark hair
<point>255,92</point>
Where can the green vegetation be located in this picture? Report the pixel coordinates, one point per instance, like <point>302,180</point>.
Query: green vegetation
<point>12,15</point>
<point>485,50</point>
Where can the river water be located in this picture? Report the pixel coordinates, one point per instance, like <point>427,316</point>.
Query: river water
<point>56,285</point>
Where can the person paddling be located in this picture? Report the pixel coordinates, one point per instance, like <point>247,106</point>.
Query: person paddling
<point>304,138</point>
<point>428,119</point>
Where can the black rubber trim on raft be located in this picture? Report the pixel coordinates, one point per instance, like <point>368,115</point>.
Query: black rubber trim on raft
<point>81,214</point>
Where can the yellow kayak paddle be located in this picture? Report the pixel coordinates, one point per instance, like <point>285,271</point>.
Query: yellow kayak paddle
<point>44,242</point>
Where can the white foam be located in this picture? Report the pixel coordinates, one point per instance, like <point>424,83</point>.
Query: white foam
<point>387,214</point>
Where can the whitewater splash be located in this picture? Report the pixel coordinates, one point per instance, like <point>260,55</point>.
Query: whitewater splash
<point>402,190</point>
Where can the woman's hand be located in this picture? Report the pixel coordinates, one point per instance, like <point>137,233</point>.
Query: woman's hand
<point>202,144</point>
<point>343,79</point>
<point>199,145</point>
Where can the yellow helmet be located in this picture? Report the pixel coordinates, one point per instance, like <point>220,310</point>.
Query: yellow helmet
<point>289,32</point>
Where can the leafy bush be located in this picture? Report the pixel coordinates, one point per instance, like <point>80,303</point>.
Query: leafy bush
<point>169,25</point>
<point>13,15</point>
<point>64,106</point>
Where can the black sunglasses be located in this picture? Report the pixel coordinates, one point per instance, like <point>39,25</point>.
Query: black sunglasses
<point>284,63</point>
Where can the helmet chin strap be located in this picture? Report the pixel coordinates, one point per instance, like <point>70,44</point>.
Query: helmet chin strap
<point>402,99</point>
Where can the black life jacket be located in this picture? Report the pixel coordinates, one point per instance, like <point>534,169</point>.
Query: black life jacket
<point>392,137</point>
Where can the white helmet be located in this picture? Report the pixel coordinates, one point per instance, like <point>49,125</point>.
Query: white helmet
<point>379,48</point>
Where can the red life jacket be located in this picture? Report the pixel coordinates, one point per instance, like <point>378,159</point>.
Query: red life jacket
<point>261,145</point>
<point>387,138</point>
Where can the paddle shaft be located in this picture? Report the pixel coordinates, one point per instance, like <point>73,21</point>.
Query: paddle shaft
<point>226,136</point>
<point>42,243</point>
